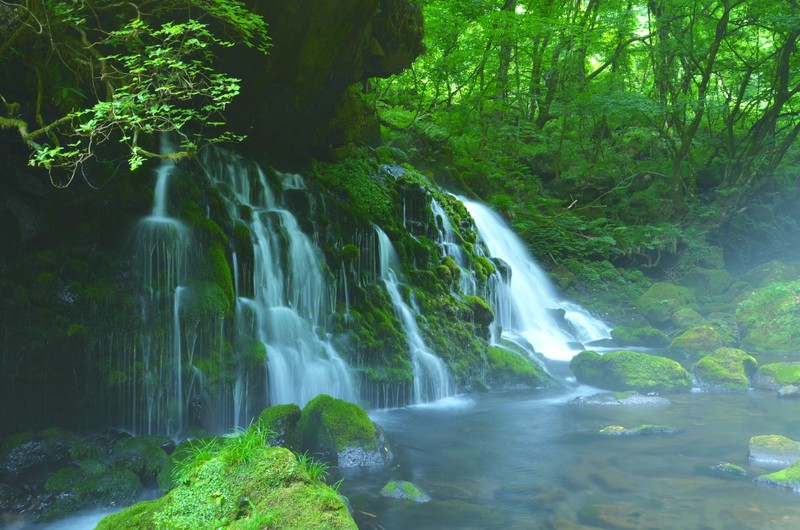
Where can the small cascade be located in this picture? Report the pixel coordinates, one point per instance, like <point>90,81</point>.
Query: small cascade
<point>288,306</point>
<point>162,254</point>
<point>451,248</point>
<point>432,381</point>
<point>526,304</point>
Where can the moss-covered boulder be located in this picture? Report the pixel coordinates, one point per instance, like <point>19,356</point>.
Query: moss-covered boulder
<point>342,433</point>
<point>511,369</point>
<point>698,340</point>
<point>770,318</point>
<point>628,398</point>
<point>240,482</point>
<point>402,489</point>
<point>774,449</point>
<point>640,336</point>
<point>619,430</point>
<point>774,271</point>
<point>776,375</point>
<point>142,454</point>
<point>726,369</point>
<point>91,484</point>
<point>630,370</point>
<point>706,283</point>
<point>686,317</point>
<point>281,421</point>
<point>662,299</point>
<point>788,478</point>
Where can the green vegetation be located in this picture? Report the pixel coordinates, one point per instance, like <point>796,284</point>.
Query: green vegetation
<point>403,489</point>
<point>239,482</point>
<point>770,318</point>
<point>727,369</point>
<point>509,368</point>
<point>782,373</point>
<point>329,425</point>
<point>629,370</point>
<point>639,336</point>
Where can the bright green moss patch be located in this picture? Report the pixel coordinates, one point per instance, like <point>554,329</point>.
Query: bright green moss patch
<point>641,336</point>
<point>402,489</point>
<point>726,369</point>
<point>788,478</point>
<point>510,368</point>
<point>782,373</point>
<point>327,422</point>
<point>240,482</point>
<point>698,340</point>
<point>629,370</point>
<point>770,318</point>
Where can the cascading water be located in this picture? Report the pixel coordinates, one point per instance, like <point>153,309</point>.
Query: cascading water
<point>162,252</point>
<point>431,378</point>
<point>287,308</point>
<point>524,303</point>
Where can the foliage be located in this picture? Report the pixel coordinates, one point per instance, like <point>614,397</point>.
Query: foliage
<point>150,68</point>
<point>769,318</point>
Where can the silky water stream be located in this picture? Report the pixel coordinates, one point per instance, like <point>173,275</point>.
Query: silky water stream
<point>534,459</point>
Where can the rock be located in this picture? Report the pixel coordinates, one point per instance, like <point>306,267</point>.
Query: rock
<point>402,489</point>
<point>142,454</point>
<point>771,272</point>
<point>773,376</point>
<point>707,283</point>
<point>725,370</point>
<point>618,430</point>
<point>342,433</point>
<point>789,391</point>
<point>88,486</point>
<point>282,421</point>
<point>39,456</point>
<point>630,370</point>
<point>240,482</point>
<point>662,300</point>
<point>685,318</point>
<point>728,470</point>
<point>641,336</point>
<point>788,478</point>
<point>774,449</point>
<point>511,369</point>
<point>770,318</point>
<point>627,399</point>
<point>698,340</point>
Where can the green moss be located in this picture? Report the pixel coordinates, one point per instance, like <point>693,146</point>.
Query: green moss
<point>662,300</point>
<point>403,489</point>
<point>726,368</point>
<point>686,317</point>
<point>782,373</point>
<point>629,370</point>
<point>330,423</point>
<point>350,253</point>
<point>282,421</point>
<point>218,272</point>
<point>775,443</point>
<point>698,340</point>
<point>770,318</point>
<point>222,486</point>
<point>141,454</point>
<point>640,336</point>
<point>355,181</point>
<point>786,478</point>
<point>613,430</point>
<point>510,368</point>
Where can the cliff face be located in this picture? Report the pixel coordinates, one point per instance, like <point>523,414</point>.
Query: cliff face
<point>318,51</point>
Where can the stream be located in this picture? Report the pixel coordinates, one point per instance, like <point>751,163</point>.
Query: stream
<point>532,459</point>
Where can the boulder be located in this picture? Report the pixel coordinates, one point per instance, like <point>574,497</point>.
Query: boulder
<point>281,421</point>
<point>631,398</point>
<point>662,299</point>
<point>697,341</point>
<point>769,319</point>
<point>640,336</point>
<point>511,369</point>
<point>36,455</point>
<point>788,478</point>
<point>725,370</point>
<point>774,449</point>
<point>686,317</point>
<point>707,283</point>
<point>619,430</point>
<point>402,489</point>
<point>342,433</point>
<point>789,391</point>
<point>773,376</point>
<point>630,370</point>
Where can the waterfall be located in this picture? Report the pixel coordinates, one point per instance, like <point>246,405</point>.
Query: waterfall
<point>524,304</point>
<point>451,248</point>
<point>288,306</point>
<point>431,378</point>
<point>162,252</point>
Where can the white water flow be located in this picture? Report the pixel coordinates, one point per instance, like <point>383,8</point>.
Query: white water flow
<point>432,381</point>
<point>523,303</point>
<point>162,251</point>
<point>288,306</point>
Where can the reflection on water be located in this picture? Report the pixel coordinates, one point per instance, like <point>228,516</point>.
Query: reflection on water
<point>533,460</point>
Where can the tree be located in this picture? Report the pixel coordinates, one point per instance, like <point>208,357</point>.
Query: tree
<point>89,72</point>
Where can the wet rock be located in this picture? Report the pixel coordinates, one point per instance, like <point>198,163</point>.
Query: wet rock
<point>402,489</point>
<point>789,391</point>
<point>727,470</point>
<point>630,370</point>
<point>788,478</point>
<point>618,430</point>
<point>773,376</point>
<point>282,421</point>
<point>640,336</point>
<point>725,370</point>
<point>774,449</point>
<point>627,399</point>
<point>37,456</point>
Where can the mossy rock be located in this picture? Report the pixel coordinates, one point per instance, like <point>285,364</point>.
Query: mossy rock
<point>707,283</point>
<point>341,432</point>
<point>281,420</point>
<point>770,318</point>
<point>771,272</point>
<point>645,429</point>
<point>402,489</point>
<point>774,449</point>
<point>776,375</point>
<point>698,340</point>
<point>726,369</point>
<point>482,313</point>
<point>788,478</point>
<point>74,489</point>
<point>640,336</point>
<point>662,299</point>
<point>508,368</point>
<point>630,370</point>
<point>686,317</point>
<point>142,455</point>
<point>239,483</point>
